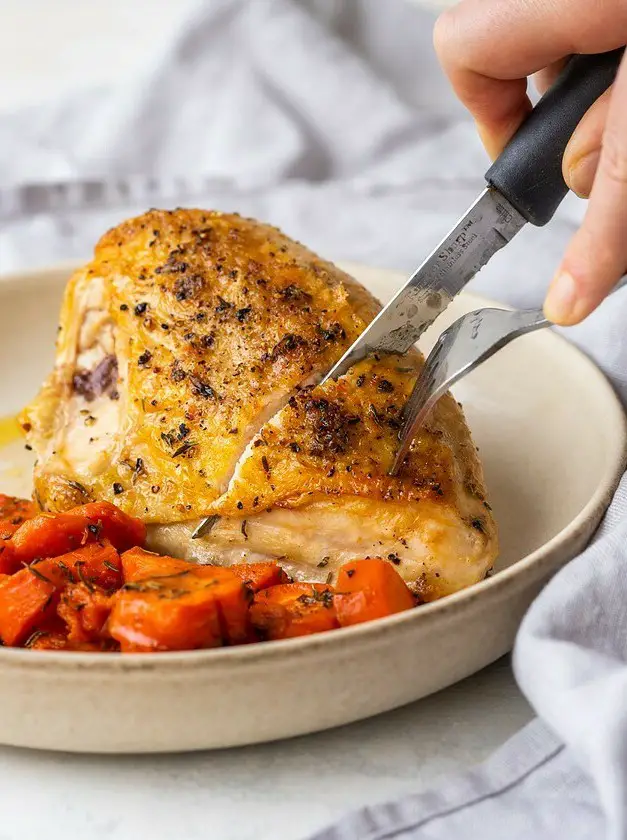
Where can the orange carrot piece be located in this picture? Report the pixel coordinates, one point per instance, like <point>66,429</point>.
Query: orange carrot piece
<point>50,535</point>
<point>30,596</point>
<point>85,612</point>
<point>293,609</point>
<point>13,512</point>
<point>176,612</point>
<point>368,589</point>
<point>197,607</point>
<point>258,576</point>
<point>26,599</point>
<point>93,565</point>
<point>139,564</point>
<point>8,561</point>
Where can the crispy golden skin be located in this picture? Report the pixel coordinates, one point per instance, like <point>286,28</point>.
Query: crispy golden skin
<point>184,385</point>
<point>213,320</point>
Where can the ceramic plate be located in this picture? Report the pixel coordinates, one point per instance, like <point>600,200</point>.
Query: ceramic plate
<point>552,438</point>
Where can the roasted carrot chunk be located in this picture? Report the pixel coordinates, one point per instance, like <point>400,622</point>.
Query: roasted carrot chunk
<point>259,576</point>
<point>198,607</point>
<point>139,564</point>
<point>50,535</point>
<point>8,561</point>
<point>85,611</point>
<point>368,589</point>
<point>30,596</point>
<point>93,565</point>
<point>26,599</point>
<point>13,512</point>
<point>293,609</point>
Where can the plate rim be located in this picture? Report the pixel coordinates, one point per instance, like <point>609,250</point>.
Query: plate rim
<point>532,566</point>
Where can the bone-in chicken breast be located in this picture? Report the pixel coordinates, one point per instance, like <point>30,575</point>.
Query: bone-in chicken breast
<point>185,386</point>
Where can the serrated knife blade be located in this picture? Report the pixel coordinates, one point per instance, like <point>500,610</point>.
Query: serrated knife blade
<point>490,223</point>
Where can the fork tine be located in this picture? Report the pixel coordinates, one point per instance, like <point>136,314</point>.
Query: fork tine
<point>461,348</point>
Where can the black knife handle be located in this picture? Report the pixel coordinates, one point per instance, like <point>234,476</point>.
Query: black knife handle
<point>528,172</point>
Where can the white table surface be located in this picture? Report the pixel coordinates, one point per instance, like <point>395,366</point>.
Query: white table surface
<point>277,791</point>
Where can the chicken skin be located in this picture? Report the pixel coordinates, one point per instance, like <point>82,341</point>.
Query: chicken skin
<point>185,386</point>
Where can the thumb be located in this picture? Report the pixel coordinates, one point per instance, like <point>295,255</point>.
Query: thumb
<point>581,157</point>
<point>597,254</point>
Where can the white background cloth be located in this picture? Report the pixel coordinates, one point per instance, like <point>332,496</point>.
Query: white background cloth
<point>331,119</point>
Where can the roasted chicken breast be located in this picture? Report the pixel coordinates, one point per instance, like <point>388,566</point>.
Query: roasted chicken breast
<point>185,386</point>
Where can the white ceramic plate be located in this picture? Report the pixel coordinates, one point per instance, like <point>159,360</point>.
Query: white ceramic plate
<point>552,438</point>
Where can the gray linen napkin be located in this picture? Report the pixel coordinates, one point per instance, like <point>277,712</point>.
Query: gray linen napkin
<point>331,119</point>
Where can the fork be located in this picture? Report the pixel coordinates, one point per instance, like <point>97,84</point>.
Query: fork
<point>461,348</point>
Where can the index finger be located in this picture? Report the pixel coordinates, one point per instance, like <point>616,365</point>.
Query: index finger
<point>489,47</point>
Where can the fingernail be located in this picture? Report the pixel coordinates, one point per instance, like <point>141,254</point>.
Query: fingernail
<point>581,173</point>
<point>561,301</point>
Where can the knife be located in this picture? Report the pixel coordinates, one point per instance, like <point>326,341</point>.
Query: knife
<point>525,184</point>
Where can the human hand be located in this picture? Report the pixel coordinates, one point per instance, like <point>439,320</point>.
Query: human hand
<point>488,48</point>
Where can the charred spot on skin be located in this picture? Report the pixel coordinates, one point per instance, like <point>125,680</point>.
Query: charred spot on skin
<point>188,287</point>
<point>287,345</point>
<point>90,384</point>
<point>177,374</point>
<point>334,332</point>
<point>202,389</point>
<point>394,558</point>
<point>141,308</point>
<point>173,264</point>
<point>293,292</point>
<point>478,525</point>
<point>385,386</point>
<point>328,425</point>
<point>144,359</point>
<point>242,314</point>
<point>117,488</point>
<point>223,306</point>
